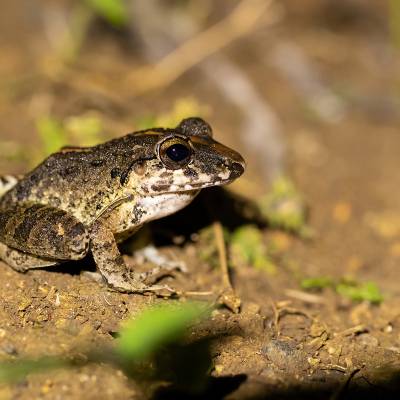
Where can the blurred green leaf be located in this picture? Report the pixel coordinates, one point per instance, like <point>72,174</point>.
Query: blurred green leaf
<point>317,283</point>
<point>346,287</point>
<point>114,11</point>
<point>155,327</point>
<point>84,129</point>
<point>146,122</point>
<point>79,130</point>
<point>182,108</point>
<point>367,291</point>
<point>52,134</point>
<point>149,346</point>
<point>16,370</point>
<point>394,19</point>
<point>285,208</point>
<point>208,251</point>
<point>247,245</point>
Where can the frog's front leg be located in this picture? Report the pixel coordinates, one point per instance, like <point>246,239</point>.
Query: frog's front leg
<point>111,264</point>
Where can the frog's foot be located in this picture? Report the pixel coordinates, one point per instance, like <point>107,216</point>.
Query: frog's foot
<point>133,282</point>
<point>114,270</point>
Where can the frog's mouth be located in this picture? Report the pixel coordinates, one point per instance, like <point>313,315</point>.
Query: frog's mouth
<point>235,171</point>
<point>187,188</point>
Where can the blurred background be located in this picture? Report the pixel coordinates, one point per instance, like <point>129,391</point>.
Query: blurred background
<point>271,76</point>
<point>306,90</point>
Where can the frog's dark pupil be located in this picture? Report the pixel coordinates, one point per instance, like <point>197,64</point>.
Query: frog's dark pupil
<point>178,152</point>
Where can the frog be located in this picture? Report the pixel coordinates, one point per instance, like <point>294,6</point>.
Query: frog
<point>83,200</point>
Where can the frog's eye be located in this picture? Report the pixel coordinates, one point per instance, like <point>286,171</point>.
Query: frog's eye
<point>175,153</point>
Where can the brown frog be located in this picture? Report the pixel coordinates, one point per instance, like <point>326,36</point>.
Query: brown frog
<point>82,200</point>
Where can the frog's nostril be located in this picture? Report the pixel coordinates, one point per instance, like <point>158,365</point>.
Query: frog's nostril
<point>237,169</point>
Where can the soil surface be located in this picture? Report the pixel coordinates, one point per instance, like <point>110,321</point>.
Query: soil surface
<point>344,160</point>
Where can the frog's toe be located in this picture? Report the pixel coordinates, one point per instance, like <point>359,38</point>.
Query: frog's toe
<point>162,290</point>
<point>139,286</point>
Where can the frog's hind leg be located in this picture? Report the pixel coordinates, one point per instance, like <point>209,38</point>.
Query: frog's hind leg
<point>22,262</point>
<point>44,231</point>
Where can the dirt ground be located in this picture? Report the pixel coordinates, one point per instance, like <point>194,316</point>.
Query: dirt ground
<point>285,342</point>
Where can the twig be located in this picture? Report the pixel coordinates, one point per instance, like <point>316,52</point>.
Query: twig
<point>239,22</point>
<point>276,319</point>
<point>306,297</point>
<point>260,126</point>
<point>197,293</point>
<point>228,297</point>
<point>353,330</point>
<point>223,261</point>
<point>299,70</point>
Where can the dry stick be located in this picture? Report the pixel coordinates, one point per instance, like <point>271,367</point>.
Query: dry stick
<point>259,123</point>
<point>305,297</point>
<point>230,300</point>
<point>239,22</point>
<point>223,260</point>
<point>227,297</point>
<point>145,79</point>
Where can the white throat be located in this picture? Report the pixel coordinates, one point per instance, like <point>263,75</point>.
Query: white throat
<point>161,205</point>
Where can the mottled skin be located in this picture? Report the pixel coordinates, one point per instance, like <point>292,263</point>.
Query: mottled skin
<point>87,199</point>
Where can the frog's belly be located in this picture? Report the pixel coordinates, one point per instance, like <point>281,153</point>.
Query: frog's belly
<point>128,217</point>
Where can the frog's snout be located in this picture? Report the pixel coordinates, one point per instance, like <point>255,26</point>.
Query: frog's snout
<point>236,169</point>
<point>236,164</point>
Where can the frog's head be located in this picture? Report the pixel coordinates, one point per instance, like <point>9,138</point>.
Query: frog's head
<point>176,164</point>
<point>187,159</point>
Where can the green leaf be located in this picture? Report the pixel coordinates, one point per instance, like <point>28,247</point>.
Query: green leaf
<point>146,122</point>
<point>156,332</point>
<point>156,327</point>
<point>284,207</point>
<point>84,129</point>
<point>16,370</point>
<point>367,291</point>
<point>317,283</point>
<point>247,245</point>
<point>114,11</point>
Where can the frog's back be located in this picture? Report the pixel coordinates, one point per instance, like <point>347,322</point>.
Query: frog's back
<point>79,180</point>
